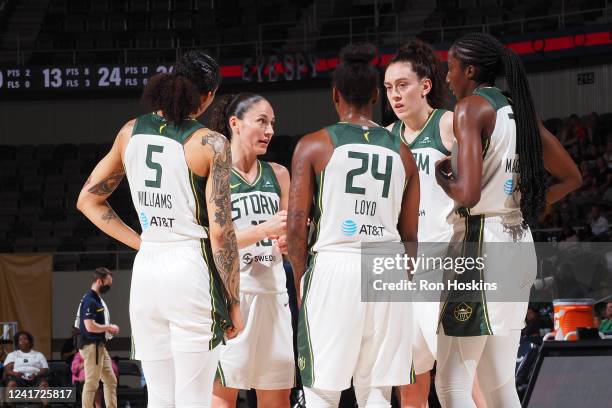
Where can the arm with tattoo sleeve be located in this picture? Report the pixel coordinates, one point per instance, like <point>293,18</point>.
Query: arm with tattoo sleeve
<point>222,234</point>
<point>104,179</point>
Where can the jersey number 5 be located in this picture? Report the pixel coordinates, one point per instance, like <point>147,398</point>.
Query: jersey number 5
<point>154,166</point>
<point>365,164</point>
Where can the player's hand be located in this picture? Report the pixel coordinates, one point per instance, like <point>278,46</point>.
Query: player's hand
<point>281,243</point>
<point>276,225</point>
<point>444,170</point>
<point>113,329</point>
<point>237,322</point>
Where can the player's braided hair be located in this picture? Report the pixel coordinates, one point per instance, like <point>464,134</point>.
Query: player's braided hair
<point>425,64</point>
<point>177,94</point>
<point>231,105</point>
<point>490,58</point>
<point>355,77</point>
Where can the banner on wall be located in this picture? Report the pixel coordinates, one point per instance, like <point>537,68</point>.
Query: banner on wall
<point>26,294</point>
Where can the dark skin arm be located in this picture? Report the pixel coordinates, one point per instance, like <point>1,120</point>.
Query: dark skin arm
<point>408,224</point>
<point>8,371</point>
<point>474,121</point>
<point>560,165</point>
<point>309,158</point>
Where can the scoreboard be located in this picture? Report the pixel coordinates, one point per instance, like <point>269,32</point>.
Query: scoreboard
<point>24,79</point>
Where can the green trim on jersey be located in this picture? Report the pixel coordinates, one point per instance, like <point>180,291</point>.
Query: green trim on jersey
<point>304,343</point>
<point>317,209</point>
<point>153,124</point>
<point>219,375</point>
<point>220,311</point>
<point>494,96</point>
<point>343,133</point>
<point>428,136</point>
<point>461,315</point>
<point>265,181</point>
<point>305,354</point>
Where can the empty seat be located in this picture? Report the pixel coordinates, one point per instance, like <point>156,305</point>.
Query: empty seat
<point>71,243</point>
<point>139,22</point>
<point>7,152</point>
<point>144,40</point>
<point>160,5</point>
<point>160,21</point>
<point>8,207</point>
<point>164,40</point>
<point>47,244</point>
<point>45,152</point>
<point>183,5</point>
<point>25,152</point>
<point>116,22</point>
<point>58,7</point>
<point>182,21</point>
<point>96,22</point>
<point>99,6</point>
<point>140,6</point>
<point>85,41</point>
<point>24,245</point>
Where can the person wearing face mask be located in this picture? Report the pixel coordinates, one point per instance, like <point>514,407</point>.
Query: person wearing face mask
<point>96,329</point>
<point>261,357</point>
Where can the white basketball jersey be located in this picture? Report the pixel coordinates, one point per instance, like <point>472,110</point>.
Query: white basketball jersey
<point>169,199</point>
<point>261,264</point>
<point>359,193</point>
<point>500,194</point>
<point>427,148</point>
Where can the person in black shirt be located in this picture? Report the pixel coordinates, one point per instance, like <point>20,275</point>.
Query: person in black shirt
<point>95,327</point>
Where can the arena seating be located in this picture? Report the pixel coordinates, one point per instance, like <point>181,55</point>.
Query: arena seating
<point>99,31</point>
<point>39,187</point>
<point>155,25</point>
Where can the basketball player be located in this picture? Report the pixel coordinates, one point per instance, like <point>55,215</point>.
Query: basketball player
<point>366,190</point>
<point>185,282</point>
<point>261,357</point>
<point>497,183</point>
<point>415,90</point>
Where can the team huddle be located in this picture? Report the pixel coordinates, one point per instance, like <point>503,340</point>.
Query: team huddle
<point>208,303</point>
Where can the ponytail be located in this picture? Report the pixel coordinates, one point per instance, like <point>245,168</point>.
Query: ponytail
<point>528,141</point>
<point>219,119</point>
<point>178,94</point>
<point>173,94</point>
<point>491,58</point>
<point>231,105</point>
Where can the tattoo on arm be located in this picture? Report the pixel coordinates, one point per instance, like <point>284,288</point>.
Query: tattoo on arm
<point>106,186</point>
<point>226,256</point>
<point>110,214</point>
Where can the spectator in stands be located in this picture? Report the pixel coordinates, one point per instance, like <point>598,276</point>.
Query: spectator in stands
<point>602,174</point>
<point>95,327</point>
<point>606,325</point>
<point>533,323</point>
<point>26,367</point>
<point>69,349</point>
<point>608,154</point>
<point>568,234</point>
<point>592,129</point>
<point>78,375</point>
<point>573,132</point>
<point>599,223</point>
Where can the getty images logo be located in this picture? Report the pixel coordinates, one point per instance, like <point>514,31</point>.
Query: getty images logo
<point>349,228</point>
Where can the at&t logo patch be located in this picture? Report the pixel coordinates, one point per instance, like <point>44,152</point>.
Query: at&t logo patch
<point>349,228</point>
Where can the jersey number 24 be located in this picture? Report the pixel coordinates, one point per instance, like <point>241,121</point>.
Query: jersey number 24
<point>365,166</point>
